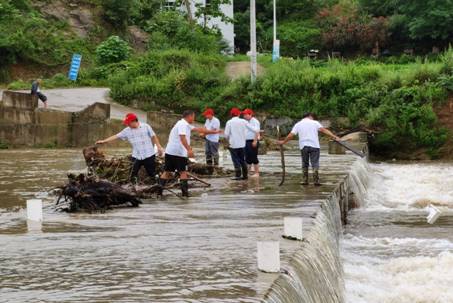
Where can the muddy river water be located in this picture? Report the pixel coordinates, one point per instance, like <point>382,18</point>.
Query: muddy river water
<point>203,249</point>
<point>200,250</point>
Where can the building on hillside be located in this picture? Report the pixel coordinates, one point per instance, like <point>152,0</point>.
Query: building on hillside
<point>226,28</point>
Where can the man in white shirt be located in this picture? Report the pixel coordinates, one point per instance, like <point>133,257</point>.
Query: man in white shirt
<point>307,130</point>
<point>142,138</point>
<point>252,141</point>
<point>235,132</point>
<point>178,151</point>
<point>212,140</point>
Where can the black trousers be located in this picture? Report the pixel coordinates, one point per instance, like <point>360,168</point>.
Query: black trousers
<point>149,164</point>
<point>251,153</point>
<point>41,96</point>
<point>310,155</point>
<point>238,157</point>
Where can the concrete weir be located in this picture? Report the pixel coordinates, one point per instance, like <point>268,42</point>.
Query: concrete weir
<point>311,270</point>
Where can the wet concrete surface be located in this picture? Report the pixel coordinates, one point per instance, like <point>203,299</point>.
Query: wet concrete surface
<point>199,250</point>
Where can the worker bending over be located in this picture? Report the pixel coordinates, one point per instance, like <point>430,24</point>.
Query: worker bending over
<point>143,139</point>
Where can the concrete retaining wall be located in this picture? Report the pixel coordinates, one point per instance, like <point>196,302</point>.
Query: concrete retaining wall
<point>22,124</point>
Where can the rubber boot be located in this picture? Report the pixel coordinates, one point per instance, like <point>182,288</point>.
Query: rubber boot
<point>209,161</point>
<point>216,160</point>
<point>162,183</point>
<point>316,177</point>
<point>237,174</point>
<point>245,172</point>
<point>184,188</point>
<point>304,176</point>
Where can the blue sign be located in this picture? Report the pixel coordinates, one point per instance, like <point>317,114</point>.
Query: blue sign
<point>276,51</point>
<point>75,66</point>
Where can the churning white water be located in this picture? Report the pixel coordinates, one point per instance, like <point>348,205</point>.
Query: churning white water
<point>390,253</point>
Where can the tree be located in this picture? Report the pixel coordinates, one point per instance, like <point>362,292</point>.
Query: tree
<point>428,19</point>
<point>212,9</point>
<point>345,27</point>
<point>117,12</point>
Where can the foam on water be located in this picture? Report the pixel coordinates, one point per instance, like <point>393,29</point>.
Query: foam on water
<point>413,261</point>
<point>409,186</point>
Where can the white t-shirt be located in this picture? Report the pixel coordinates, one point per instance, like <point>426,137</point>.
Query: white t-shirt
<point>174,146</point>
<point>307,130</point>
<point>253,127</point>
<point>213,124</point>
<point>235,131</point>
<point>140,139</point>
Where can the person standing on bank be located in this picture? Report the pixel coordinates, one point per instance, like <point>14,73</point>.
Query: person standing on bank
<point>142,138</point>
<point>212,140</point>
<point>252,141</point>
<point>179,151</point>
<point>307,130</point>
<point>235,132</point>
<point>36,91</point>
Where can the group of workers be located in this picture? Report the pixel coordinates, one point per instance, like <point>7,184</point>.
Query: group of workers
<point>242,131</point>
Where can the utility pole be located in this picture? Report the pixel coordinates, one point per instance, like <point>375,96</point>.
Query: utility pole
<point>253,40</point>
<point>275,42</point>
<point>275,20</point>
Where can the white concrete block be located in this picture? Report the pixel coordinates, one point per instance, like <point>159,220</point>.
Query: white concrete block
<point>34,226</point>
<point>293,228</point>
<point>34,210</point>
<point>268,256</point>
<point>433,215</point>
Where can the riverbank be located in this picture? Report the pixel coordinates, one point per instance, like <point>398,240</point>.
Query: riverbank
<point>200,250</point>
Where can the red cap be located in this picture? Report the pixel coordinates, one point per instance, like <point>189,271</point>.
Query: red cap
<point>248,111</point>
<point>235,112</point>
<point>208,112</point>
<point>129,118</point>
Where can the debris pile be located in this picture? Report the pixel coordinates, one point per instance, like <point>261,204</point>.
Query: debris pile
<point>90,194</point>
<point>118,169</point>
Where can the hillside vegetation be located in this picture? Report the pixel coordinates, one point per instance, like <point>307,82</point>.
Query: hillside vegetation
<point>181,64</point>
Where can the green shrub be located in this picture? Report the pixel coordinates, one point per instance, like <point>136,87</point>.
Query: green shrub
<point>175,79</point>
<point>112,50</point>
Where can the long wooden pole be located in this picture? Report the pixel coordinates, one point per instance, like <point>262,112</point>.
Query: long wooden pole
<point>282,156</point>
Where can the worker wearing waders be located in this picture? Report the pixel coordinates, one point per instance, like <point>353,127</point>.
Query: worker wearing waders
<point>307,130</point>
<point>235,132</point>
<point>143,139</point>
<point>178,151</point>
<point>212,140</point>
<point>252,141</point>
<point>36,91</point>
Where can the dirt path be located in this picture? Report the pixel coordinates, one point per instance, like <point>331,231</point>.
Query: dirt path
<point>239,69</point>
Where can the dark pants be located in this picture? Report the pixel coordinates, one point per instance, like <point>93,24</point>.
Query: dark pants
<point>251,153</point>
<point>212,152</point>
<point>41,97</point>
<point>149,164</point>
<point>238,157</point>
<point>310,155</point>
